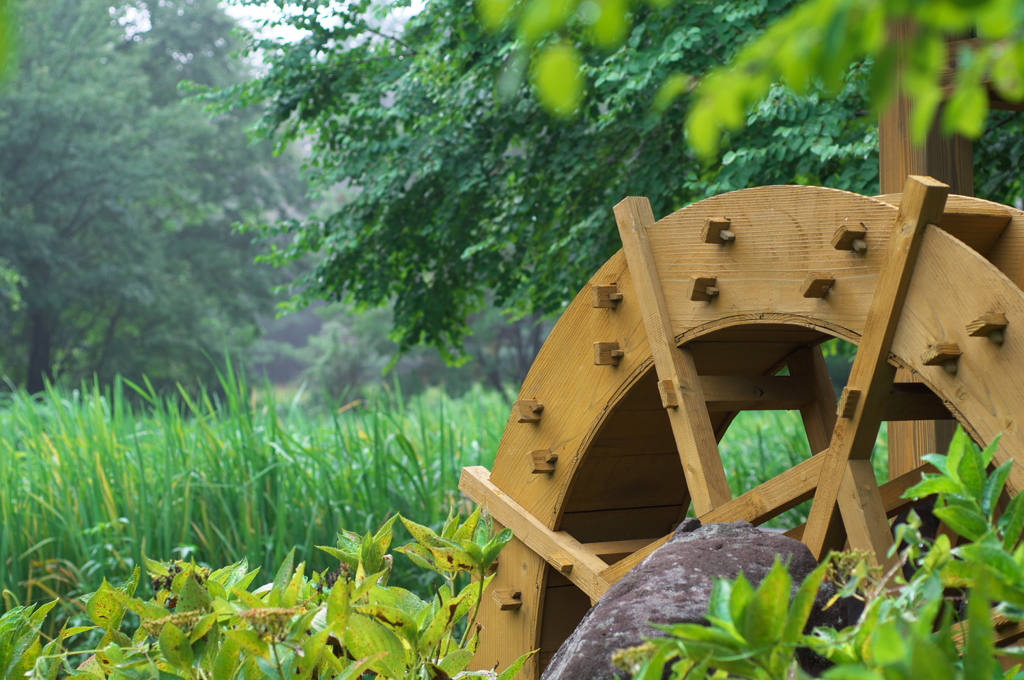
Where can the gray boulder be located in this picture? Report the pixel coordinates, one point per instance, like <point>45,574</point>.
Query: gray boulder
<point>673,585</point>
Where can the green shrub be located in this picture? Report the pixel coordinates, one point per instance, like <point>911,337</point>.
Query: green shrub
<point>915,630</point>
<point>343,624</point>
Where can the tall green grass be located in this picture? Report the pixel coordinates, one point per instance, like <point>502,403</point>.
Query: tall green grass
<point>90,480</point>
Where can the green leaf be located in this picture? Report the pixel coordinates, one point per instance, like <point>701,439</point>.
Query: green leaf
<point>193,597</point>
<point>762,620</point>
<point>175,647</point>
<point>106,607</point>
<point>558,77</point>
<point>365,636</point>
<point>338,604</point>
<point>228,657</point>
<point>994,484</point>
<point>281,580</point>
<point>494,13</point>
<point>803,603</point>
<point>541,17</point>
<point>1012,522</point>
<point>971,470</point>
<point>968,523</point>
<point>516,666</point>
<point>934,484</point>
<point>612,24</point>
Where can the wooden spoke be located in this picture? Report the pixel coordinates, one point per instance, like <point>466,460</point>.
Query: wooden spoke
<point>558,548</point>
<point>847,478</point>
<point>691,426</point>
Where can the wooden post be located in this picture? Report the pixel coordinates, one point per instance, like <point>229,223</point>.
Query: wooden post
<point>949,160</point>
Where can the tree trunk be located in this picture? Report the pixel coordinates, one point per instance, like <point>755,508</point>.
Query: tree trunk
<point>40,365</point>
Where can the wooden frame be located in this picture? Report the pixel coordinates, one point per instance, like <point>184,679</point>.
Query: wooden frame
<point>636,442</point>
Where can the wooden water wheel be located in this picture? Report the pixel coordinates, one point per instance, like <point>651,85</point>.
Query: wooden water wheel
<point>613,439</point>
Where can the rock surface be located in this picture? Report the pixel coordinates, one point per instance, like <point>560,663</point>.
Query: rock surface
<point>673,585</point>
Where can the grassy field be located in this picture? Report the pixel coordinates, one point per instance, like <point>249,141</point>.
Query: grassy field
<point>90,480</point>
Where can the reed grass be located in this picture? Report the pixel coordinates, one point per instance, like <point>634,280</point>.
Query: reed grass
<point>92,479</point>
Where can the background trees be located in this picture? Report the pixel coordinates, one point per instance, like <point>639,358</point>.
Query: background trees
<point>466,187</point>
<point>117,197</point>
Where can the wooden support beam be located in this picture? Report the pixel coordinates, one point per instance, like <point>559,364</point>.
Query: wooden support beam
<point>557,548</point>
<point>914,401</point>
<point>949,159</point>
<point>761,393</point>
<point>891,494</point>
<point>691,426</point>
<point>818,414</point>
<point>760,504</point>
<point>845,479</point>
<point>977,223</point>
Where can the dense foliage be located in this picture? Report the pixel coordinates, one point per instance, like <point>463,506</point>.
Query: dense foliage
<point>91,479</point>
<point>913,627</point>
<point>117,197</point>
<point>340,624</point>
<point>465,190</point>
<point>464,187</point>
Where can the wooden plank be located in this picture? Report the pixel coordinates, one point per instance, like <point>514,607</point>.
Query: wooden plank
<point>914,401</point>
<point>819,414</point>
<point>976,222</point>
<point>891,494</point>
<point>760,504</point>
<point>949,159</point>
<point>771,498</point>
<point>519,569</point>
<point>739,393</point>
<point>627,481</point>
<point>987,390</point>
<point>564,608</point>
<point>853,438</point>
<point>695,438</point>
<point>622,523</point>
<point>476,484</point>
<point>613,551</point>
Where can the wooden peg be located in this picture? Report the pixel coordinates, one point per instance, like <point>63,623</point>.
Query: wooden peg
<point>508,599</point>
<point>528,410</point>
<point>945,354</point>
<point>818,284</point>
<point>991,325</point>
<point>848,403</point>
<point>669,396</point>
<point>543,460</point>
<point>607,297</point>
<point>607,353</point>
<point>702,288</point>
<point>716,230</point>
<point>851,237</point>
<point>561,563</point>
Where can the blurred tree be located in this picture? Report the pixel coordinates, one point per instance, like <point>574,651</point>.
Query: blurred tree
<point>463,188</point>
<point>461,196</point>
<point>117,198</point>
